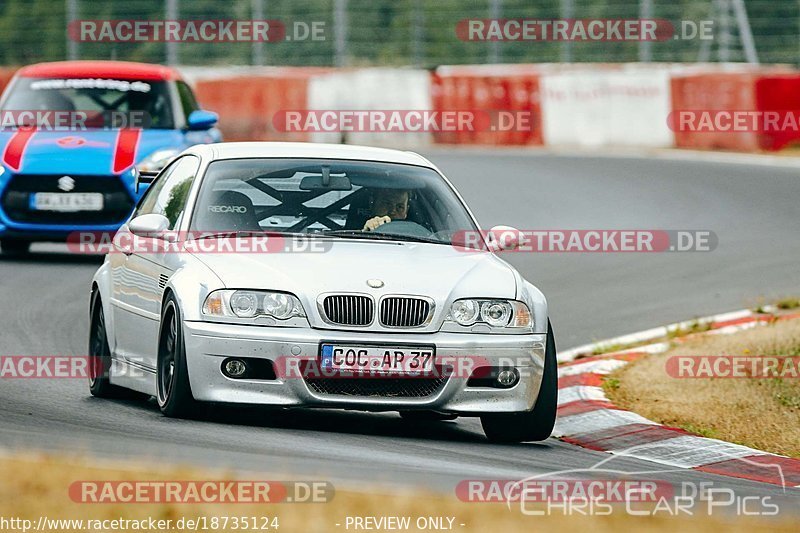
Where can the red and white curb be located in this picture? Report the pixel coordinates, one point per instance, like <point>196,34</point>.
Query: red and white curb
<point>588,419</point>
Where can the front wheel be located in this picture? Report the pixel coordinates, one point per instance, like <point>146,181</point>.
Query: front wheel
<point>173,391</point>
<point>536,424</point>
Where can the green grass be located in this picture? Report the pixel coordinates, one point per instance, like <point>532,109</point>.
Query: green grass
<point>610,384</point>
<point>695,326</point>
<point>703,432</point>
<point>788,303</point>
<point>608,348</point>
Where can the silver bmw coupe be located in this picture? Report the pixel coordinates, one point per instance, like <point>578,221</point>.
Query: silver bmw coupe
<point>325,276</point>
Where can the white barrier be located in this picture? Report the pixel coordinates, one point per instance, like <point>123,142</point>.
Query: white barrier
<point>619,107</point>
<point>372,89</point>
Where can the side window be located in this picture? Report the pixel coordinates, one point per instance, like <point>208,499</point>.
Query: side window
<point>167,196</point>
<point>188,102</point>
<point>148,201</point>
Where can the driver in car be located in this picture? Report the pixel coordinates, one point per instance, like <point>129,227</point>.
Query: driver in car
<point>387,205</point>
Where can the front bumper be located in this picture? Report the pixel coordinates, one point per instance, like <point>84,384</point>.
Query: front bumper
<point>208,344</point>
<point>18,219</point>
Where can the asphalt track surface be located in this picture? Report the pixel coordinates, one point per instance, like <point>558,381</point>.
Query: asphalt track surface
<point>753,209</point>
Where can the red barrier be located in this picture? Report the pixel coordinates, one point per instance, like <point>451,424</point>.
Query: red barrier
<point>760,91</point>
<point>247,104</point>
<point>6,73</point>
<point>508,90</point>
<point>782,94</point>
<point>715,92</point>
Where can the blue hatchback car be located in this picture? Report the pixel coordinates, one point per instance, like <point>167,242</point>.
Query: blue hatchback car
<point>72,135</point>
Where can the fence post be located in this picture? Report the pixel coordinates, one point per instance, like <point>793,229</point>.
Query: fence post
<point>72,45</point>
<point>340,30</point>
<point>172,47</point>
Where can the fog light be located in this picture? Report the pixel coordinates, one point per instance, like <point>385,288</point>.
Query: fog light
<point>234,368</point>
<point>507,378</point>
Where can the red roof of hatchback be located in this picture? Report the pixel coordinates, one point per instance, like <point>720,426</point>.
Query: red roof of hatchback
<point>122,70</point>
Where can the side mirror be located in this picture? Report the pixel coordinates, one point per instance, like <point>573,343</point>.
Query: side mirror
<point>505,238</point>
<point>152,226</point>
<point>143,177</point>
<point>201,119</point>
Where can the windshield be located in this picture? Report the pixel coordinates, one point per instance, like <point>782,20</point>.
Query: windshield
<point>104,100</point>
<point>329,197</point>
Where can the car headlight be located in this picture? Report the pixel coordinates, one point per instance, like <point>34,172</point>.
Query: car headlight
<point>496,313</point>
<point>465,312</point>
<point>252,304</point>
<point>158,159</point>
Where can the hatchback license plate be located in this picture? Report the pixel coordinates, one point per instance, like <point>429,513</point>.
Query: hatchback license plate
<point>67,201</point>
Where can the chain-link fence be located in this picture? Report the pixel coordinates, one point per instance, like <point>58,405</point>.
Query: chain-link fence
<point>401,32</point>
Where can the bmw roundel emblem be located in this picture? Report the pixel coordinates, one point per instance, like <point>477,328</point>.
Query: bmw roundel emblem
<point>375,283</point>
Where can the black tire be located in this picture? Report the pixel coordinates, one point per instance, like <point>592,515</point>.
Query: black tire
<point>173,391</point>
<point>100,355</point>
<point>536,424</point>
<point>14,246</point>
<point>426,416</point>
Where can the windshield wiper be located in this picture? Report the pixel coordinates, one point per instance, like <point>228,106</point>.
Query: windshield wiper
<point>248,233</point>
<point>358,234</point>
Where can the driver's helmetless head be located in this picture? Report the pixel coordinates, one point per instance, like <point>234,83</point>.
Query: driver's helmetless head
<point>390,202</point>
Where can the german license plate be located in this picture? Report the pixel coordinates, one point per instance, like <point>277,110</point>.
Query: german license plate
<point>67,201</point>
<point>377,359</point>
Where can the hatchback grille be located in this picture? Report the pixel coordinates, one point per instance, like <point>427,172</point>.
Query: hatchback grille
<point>349,309</point>
<point>16,199</point>
<point>403,312</point>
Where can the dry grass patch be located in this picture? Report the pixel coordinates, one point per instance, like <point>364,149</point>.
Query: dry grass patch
<point>760,413</point>
<point>31,487</point>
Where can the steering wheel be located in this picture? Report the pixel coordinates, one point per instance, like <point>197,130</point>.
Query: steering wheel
<point>403,227</point>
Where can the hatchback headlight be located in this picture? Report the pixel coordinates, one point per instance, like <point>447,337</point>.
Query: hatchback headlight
<point>252,304</point>
<point>158,159</point>
<point>494,312</point>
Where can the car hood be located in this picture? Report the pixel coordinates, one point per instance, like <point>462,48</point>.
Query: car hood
<point>89,152</point>
<point>438,271</point>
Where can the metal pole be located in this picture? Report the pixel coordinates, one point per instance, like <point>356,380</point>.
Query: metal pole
<point>744,32</point>
<point>172,47</point>
<point>72,45</point>
<point>567,12</point>
<point>704,55</point>
<point>495,12</point>
<point>645,47</point>
<point>340,32</point>
<point>724,50</point>
<point>257,13</point>
<point>417,33</point>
